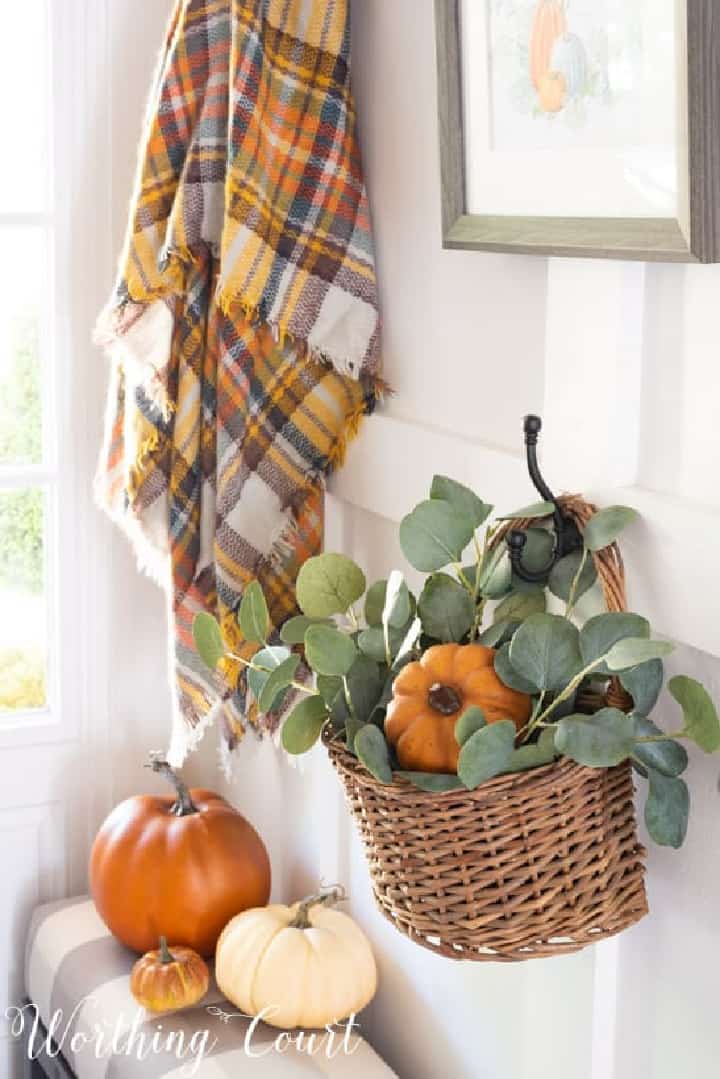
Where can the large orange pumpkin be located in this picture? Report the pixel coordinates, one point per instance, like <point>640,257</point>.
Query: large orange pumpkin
<point>549,23</point>
<point>430,696</point>
<point>179,867</point>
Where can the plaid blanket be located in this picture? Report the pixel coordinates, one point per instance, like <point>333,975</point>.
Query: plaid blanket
<point>244,326</point>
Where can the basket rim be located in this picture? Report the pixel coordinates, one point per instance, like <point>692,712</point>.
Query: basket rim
<point>546,774</point>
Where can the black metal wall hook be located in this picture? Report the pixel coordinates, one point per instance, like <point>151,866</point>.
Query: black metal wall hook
<point>567,535</point>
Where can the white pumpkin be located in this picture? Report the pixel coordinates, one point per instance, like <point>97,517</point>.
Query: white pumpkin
<point>300,966</point>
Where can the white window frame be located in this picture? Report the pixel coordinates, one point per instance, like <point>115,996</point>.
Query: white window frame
<point>80,239</point>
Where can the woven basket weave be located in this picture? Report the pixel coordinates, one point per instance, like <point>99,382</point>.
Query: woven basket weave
<point>534,864</point>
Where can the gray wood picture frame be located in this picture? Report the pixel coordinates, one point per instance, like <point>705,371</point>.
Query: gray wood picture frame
<point>646,239</point>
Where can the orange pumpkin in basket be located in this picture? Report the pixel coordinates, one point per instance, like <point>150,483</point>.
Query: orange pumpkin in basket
<point>430,696</point>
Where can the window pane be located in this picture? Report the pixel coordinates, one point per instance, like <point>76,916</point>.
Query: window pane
<point>22,281</point>
<point>23,622</point>
<point>25,173</point>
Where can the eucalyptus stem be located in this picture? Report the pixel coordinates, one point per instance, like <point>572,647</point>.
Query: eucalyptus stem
<point>348,697</point>
<point>576,583</point>
<point>567,692</point>
<point>527,730</point>
<point>267,670</point>
<point>463,579</point>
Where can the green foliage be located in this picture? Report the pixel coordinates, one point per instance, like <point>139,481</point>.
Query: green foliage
<point>446,609</point>
<point>208,639</point>
<point>702,725</point>
<point>605,526</point>
<point>537,509</point>
<point>435,534</point>
<point>253,616</point>
<point>545,651</point>
<point>507,673</point>
<point>600,633</point>
<point>472,720</point>
<point>565,572</point>
<point>329,584</point>
<point>280,680</point>
<point>667,809</point>
<point>328,651</point>
<point>264,663</point>
<point>599,741</point>
<point>21,539</point>
<point>487,753</point>
<point>520,605</point>
<point>372,750</point>
<point>304,725</point>
<point>544,655</point>
<point>666,756</point>
<point>462,498</point>
<point>644,683</point>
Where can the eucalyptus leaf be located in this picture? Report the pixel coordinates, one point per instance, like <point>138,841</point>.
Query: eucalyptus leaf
<point>294,630</point>
<point>496,575</point>
<point>329,584</point>
<point>398,606</point>
<point>472,720</point>
<point>365,684</point>
<point>644,683</point>
<point>668,757</point>
<point>407,643</point>
<point>462,498</point>
<point>432,782</point>
<point>208,639</point>
<point>605,526</point>
<point>600,633</point>
<point>667,809</point>
<point>599,741</point>
<point>372,750</point>
<point>498,634</point>
<point>446,609</point>
<point>329,686</point>
<point>486,753</point>
<point>545,651</point>
<point>280,679</point>
<point>304,725</point>
<point>564,572</point>
<point>253,616</point>
<point>702,725</point>
<point>632,651</point>
<point>328,651</point>
<point>435,534</point>
<point>508,675</point>
<point>534,756</point>
<point>520,605</point>
<point>265,662</point>
<point>537,509</point>
<point>375,602</point>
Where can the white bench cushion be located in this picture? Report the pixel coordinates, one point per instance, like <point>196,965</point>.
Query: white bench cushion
<point>77,977</point>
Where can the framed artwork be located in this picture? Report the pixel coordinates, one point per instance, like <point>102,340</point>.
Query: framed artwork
<point>587,128</point>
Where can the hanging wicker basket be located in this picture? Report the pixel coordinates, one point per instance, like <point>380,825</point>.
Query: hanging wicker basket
<point>532,864</point>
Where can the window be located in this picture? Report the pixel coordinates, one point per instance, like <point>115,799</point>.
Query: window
<point>28,452</point>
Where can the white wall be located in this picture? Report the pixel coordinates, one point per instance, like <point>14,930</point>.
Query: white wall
<point>472,342</point>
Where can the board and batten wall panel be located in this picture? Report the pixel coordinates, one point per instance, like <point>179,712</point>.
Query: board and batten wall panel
<point>621,361</point>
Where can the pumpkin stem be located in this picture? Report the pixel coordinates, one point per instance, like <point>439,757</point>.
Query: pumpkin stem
<point>327,898</point>
<point>184,805</point>
<point>166,955</point>
<point>444,699</point>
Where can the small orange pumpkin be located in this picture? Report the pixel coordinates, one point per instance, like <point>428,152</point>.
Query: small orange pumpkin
<point>165,980</point>
<point>552,91</point>
<point>430,696</point>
